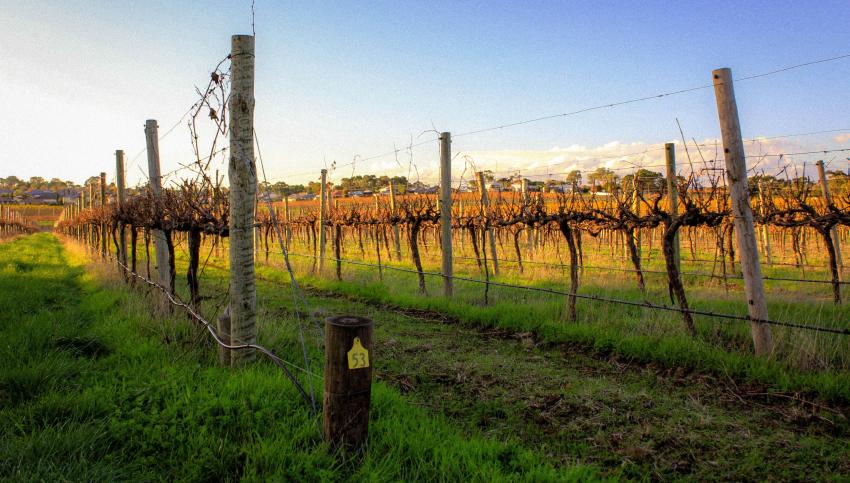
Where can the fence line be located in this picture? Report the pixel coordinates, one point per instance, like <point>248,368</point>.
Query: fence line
<point>644,304</point>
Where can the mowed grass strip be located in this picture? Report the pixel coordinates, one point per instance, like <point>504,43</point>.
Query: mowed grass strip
<point>93,388</point>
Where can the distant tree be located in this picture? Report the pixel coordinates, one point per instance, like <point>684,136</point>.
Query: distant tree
<point>574,179</point>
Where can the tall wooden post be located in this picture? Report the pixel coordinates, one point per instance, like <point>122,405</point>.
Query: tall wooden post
<point>348,381</point>
<point>485,203</point>
<point>736,173</point>
<point>765,235</point>
<point>163,261</point>
<point>446,210</point>
<point>673,197</point>
<point>323,206</point>
<point>119,181</point>
<point>103,227</point>
<point>242,172</point>
<point>394,213</point>
<point>824,186</point>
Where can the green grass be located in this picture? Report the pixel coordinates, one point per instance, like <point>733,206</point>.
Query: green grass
<point>633,420</point>
<point>93,388</point>
<point>804,362</point>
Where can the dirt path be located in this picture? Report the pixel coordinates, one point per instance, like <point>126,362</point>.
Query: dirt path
<point>634,421</point>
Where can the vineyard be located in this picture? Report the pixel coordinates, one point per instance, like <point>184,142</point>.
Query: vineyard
<point>668,321</point>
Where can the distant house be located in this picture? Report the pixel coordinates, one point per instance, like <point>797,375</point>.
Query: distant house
<point>41,197</point>
<point>302,197</point>
<point>495,186</point>
<point>421,188</point>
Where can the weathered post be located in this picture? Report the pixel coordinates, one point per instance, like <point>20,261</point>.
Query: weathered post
<point>103,227</point>
<point>736,173</point>
<point>323,206</point>
<point>485,204</point>
<point>394,213</point>
<point>119,181</point>
<point>446,209</point>
<point>827,197</point>
<point>242,172</point>
<point>348,381</point>
<point>160,244</point>
<point>765,235</point>
<point>673,197</point>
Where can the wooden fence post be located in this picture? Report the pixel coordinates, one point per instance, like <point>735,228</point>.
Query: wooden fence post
<point>446,210</point>
<point>242,172</point>
<point>529,231</point>
<point>765,235</point>
<point>287,221</point>
<point>323,206</point>
<point>673,197</point>
<point>636,209</point>
<point>736,173</point>
<point>163,261</point>
<point>103,227</point>
<point>91,227</point>
<point>348,381</point>
<point>394,212</point>
<point>119,181</point>
<point>836,242</point>
<point>485,203</point>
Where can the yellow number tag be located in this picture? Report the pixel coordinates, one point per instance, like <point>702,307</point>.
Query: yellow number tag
<point>358,356</point>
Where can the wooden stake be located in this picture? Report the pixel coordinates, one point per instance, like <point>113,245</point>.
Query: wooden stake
<point>673,197</point>
<point>348,381</point>
<point>765,235</point>
<point>485,203</point>
<point>394,212</point>
<point>836,242</point>
<point>163,262</point>
<point>446,210</point>
<point>119,181</point>
<point>103,227</point>
<point>322,213</point>
<point>242,172</point>
<point>736,173</point>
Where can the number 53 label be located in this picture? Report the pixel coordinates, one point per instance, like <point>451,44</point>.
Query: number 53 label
<point>358,356</point>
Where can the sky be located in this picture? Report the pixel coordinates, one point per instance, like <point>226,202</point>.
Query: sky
<point>345,81</point>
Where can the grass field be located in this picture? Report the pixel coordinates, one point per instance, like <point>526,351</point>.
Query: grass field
<point>93,388</point>
<point>591,404</point>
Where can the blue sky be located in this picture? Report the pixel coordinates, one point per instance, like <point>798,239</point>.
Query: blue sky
<point>340,79</point>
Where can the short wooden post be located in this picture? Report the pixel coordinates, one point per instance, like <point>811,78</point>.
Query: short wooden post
<point>103,227</point>
<point>242,172</point>
<point>765,235</point>
<point>836,242</point>
<point>119,181</point>
<point>394,213</point>
<point>673,197</point>
<point>348,381</point>
<point>485,203</point>
<point>163,262</point>
<point>91,229</point>
<point>323,206</point>
<point>736,173</point>
<point>446,210</point>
